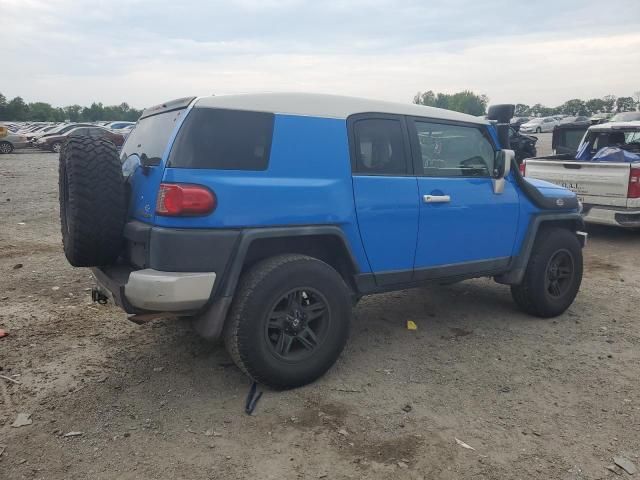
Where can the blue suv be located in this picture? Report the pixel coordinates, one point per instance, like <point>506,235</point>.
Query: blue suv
<point>264,218</point>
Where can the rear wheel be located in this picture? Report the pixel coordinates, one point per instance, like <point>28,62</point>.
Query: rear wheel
<point>553,276</point>
<point>6,147</point>
<point>289,321</point>
<point>538,130</point>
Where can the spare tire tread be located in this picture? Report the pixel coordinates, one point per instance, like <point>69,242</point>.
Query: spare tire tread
<point>92,212</point>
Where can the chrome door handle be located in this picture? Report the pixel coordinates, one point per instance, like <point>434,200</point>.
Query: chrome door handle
<point>436,198</point>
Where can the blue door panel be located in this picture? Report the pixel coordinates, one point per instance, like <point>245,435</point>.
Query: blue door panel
<point>387,209</point>
<point>475,225</point>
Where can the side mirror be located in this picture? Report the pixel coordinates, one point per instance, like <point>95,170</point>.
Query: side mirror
<point>501,168</point>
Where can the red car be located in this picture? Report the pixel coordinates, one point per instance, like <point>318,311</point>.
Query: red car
<point>55,142</point>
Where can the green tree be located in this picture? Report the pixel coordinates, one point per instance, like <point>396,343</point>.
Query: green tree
<point>522,110</point>
<point>595,105</point>
<point>465,101</point>
<point>3,107</point>
<point>540,110</point>
<point>43,112</point>
<point>573,107</point>
<point>636,98</point>
<point>17,110</point>
<point>427,98</point>
<point>72,113</point>
<point>625,104</point>
<point>609,103</point>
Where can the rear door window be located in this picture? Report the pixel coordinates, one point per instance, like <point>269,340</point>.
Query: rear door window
<point>380,147</point>
<point>222,139</point>
<point>150,136</point>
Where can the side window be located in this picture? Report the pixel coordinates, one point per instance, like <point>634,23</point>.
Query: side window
<point>79,131</point>
<point>96,132</point>
<point>453,151</point>
<point>379,147</point>
<point>223,140</point>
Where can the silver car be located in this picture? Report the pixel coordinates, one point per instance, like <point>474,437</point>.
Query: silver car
<point>12,141</point>
<point>538,125</point>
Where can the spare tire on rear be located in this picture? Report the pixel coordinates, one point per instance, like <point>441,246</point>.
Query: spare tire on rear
<point>92,201</point>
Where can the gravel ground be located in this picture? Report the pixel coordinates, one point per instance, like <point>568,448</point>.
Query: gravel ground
<point>547,399</point>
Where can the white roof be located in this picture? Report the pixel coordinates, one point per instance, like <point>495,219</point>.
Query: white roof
<point>602,127</point>
<point>328,106</point>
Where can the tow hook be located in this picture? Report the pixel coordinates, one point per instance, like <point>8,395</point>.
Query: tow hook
<point>98,297</point>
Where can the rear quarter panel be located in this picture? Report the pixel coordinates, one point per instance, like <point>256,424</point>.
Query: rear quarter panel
<point>307,182</point>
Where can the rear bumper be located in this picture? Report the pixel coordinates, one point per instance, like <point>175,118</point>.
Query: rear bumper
<point>620,217</point>
<point>149,290</point>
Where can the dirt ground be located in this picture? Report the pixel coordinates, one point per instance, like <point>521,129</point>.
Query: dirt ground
<point>544,399</point>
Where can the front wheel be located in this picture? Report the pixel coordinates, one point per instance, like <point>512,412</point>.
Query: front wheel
<point>289,321</point>
<point>553,276</point>
<point>538,130</point>
<point>56,147</point>
<point>6,147</point>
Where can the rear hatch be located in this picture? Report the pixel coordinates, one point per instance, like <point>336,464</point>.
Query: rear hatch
<point>144,155</point>
<point>595,183</point>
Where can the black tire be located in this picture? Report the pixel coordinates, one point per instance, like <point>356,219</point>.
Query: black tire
<point>56,147</point>
<point>547,291</point>
<point>6,147</point>
<point>92,201</point>
<point>254,346</point>
<point>538,130</point>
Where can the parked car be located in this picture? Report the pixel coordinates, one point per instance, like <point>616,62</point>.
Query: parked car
<point>579,119</point>
<point>55,142</point>
<point>626,117</point>
<point>524,146</point>
<point>600,118</point>
<point>539,125</point>
<point>516,122</point>
<point>119,125</point>
<point>264,217</point>
<point>64,128</point>
<point>604,172</point>
<point>12,141</point>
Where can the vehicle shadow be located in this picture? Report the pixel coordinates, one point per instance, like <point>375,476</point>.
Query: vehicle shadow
<point>607,233</point>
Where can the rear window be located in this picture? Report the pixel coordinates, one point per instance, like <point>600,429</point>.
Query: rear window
<point>151,136</point>
<point>223,140</point>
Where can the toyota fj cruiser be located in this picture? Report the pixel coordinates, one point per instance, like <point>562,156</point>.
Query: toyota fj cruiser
<point>264,217</point>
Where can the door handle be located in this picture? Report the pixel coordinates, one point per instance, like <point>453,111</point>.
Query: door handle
<point>436,198</point>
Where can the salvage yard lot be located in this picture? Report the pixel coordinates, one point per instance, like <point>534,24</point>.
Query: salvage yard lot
<point>535,398</point>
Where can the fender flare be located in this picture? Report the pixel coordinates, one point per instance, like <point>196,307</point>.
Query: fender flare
<point>210,321</point>
<point>519,266</point>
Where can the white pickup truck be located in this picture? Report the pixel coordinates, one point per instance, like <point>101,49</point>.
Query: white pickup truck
<point>604,172</point>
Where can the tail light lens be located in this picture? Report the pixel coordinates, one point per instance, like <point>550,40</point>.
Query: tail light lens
<point>175,199</point>
<point>634,183</point>
<point>523,168</point>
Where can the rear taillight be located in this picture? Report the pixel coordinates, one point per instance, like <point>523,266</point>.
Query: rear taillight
<point>634,183</point>
<point>175,199</point>
<point>523,168</point>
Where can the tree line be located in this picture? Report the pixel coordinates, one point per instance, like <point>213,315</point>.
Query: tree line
<point>18,110</point>
<point>474,104</point>
<point>466,101</point>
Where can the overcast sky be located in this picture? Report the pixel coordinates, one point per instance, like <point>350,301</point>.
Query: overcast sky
<point>147,51</point>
